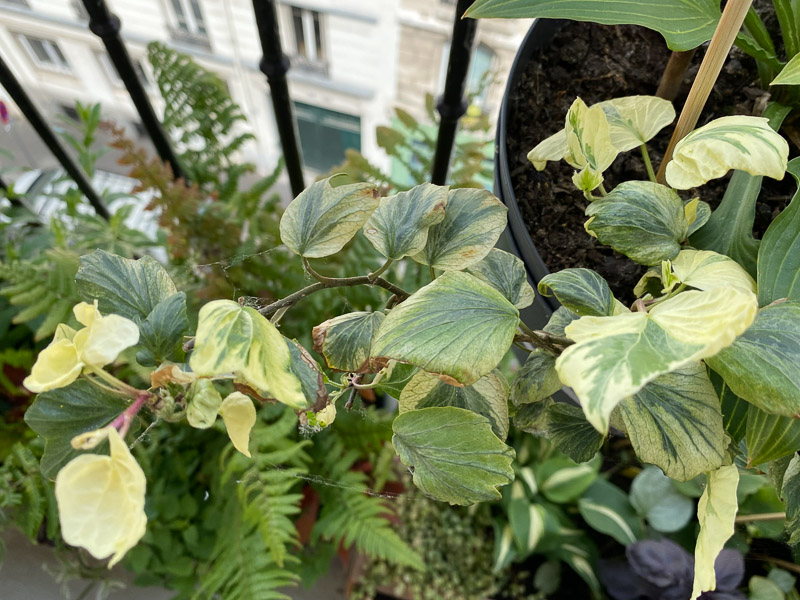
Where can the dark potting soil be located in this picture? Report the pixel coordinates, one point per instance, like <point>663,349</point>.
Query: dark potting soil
<point>599,62</point>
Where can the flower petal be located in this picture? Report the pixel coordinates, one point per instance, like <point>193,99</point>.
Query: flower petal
<point>101,341</point>
<point>57,366</point>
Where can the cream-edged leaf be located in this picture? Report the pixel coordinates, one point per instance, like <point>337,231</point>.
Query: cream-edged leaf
<point>101,501</point>
<point>790,74</point>
<point>634,120</point>
<point>707,270</point>
<point>345,341</point>
<point>614,357</point>
<point>237,339</point>
<point>399,226</point>
<point>488,397</point>
<point>737,142</point>
<point>551,149</point>
<point>505,273</point>
<point>588,138</point>
<point>472,224</point>
<point>456,326</point>
<point>716,512</point>
<point>582,291</point>
<point>323,218</point>
<point>239,415</point>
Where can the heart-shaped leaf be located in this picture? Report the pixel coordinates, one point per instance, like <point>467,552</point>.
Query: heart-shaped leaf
<point>308,371</point>
<point>536,380</point>
<point>582,291</point>
<point>162,331</point>
<point>345,341</point>
<point>706,270</point>
<point>571,433</point>
<point>505,273</point>
<point>655,498</point>
<point>634,120</point>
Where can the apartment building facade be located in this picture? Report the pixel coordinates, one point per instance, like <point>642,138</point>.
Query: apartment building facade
<point>352,62</point>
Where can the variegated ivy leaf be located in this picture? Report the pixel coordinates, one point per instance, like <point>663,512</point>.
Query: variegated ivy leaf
<point>345,341</point>
<point>614,357</point>
<point>505,273</point>
<point>761,366</point>
<point>685,24</point>
<point>716,511</point>
<point>675,423</point>
<point>790,74</point>
<point>536,380</point>
<point>737,142</point>
<point>587,179</point>
<point>323,218</point>
<point>580,290</point>
<point>399,226</point>
<point>697,214</point>
<point>237,339</point>
<point>488,397</point>
<point>308,371</point>
<point>457,327</point>
<point>707,270</point>
<point>588,138</point>
<point>472,224</point>
<point>551,149</point>
<point>454,455</point>
<point>634,120</point>
<point>641,219</point>
<point>571,433</point>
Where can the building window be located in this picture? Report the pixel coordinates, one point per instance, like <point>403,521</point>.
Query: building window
<point>111,72</point>
<point>189,24</point>
<point>325,135</point>
<point>45,53</point>
<point>308,38</point>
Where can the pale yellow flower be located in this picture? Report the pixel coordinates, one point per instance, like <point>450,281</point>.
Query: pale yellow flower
<point>101,501</point>
<point>96,344</point>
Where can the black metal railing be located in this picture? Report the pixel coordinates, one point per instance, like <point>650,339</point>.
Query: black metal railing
<point>275,65</point>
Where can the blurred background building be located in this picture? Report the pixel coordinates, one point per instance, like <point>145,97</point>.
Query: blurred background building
<point>352,62</point>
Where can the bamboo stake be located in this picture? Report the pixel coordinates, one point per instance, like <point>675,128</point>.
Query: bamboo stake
<point>727,29</point>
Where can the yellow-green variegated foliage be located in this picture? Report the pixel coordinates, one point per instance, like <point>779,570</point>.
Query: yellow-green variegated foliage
<point>589,145</point>
<point>615,356</point>
<point>737,142</point>
<point>790,74</point>
<point>239,415</point>
<point>716,512</point>
<point>237,340</point>
<point>706,270</point>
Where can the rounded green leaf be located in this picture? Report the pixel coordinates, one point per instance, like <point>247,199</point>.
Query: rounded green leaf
<point>505,273</point>
<point>472,224</point>
<point>399,226</point>
<point>675,423</point>
<point>582,291</point>
<point>656,499</point>
<point>737,142</point>
<point>237,339</point>
<point>345,341</point>
<point>456,326</point>
<point>454,455</point>
<point>323,218</point>
<point>488,397</point>
<point>641,219</point>
<point>571,433</point>
<point>535,380</point>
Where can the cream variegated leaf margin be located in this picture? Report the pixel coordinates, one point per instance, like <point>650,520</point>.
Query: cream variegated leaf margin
<point>239,415</point>
<point>737,142</point>
<point>615,356</point>
<point>632,121</point>
<point>706,270</point>
<point>589,145</point>
<point>101,501</point>
<point>234,339</point>
<point>790,74</point>
<point>716,512</point>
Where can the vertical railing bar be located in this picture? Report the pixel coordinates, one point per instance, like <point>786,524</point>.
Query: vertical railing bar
<point>28,108</point>
<point>452,105</point>
<point>274,64</point>
<point>106,26</point>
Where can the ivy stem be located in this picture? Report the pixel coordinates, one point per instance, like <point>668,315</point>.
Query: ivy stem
<point>114,382</point>
<point>544,340</point>
<point>647,164</point>
<point>775,516</point>
<point>784,564</point>
<point>106,388</point>
<point>433,273</point>
<point>123,422</point>
<point>372,276</point>
<point>602,189</point>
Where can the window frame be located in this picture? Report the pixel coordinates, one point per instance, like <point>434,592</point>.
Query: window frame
<point>113,77</point>
<point>58,62</point>
<point>185,24</point>
<point>315,51</point>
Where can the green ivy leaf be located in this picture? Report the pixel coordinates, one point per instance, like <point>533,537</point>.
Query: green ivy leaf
<point>454,455</point>
<point>323,218</point>
<point>656,499</point>
<point>456,326</point>
<point>640,219</point>
<point>472,224</point>
<point>399,226</point>
<point>308,371</point>
<point>779,253</point>
<point>761,366</point>
<point>536,380</point>
<point>59,415</point>
<point>162,331</point>
<point>734,409</point>
<point>505,273</point>
<point>571,433</point>
<point>606,509</point>
<point>685,24</point>
<point>488,397</point>
<point>675,423</point>
<point>130,288</point>
<point>770,436</point>
<point>345,341</point>
<point>582,291</point>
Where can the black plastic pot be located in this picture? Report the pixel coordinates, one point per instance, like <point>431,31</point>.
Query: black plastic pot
<point>516,238</point>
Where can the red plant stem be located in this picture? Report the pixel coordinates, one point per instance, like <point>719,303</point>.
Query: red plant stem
<point>123,422</point>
